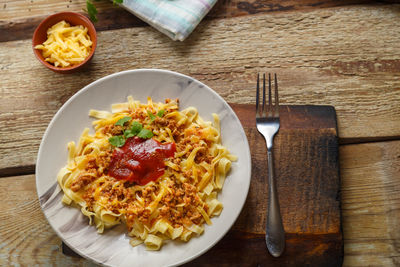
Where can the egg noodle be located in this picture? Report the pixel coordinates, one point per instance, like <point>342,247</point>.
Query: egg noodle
<point>174,206</point>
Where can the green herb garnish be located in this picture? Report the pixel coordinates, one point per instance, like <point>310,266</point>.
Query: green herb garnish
<point>151,115</point>
<point>136,127</point>
<point>122,121</point>
<point>91,10</point>
<point>160,113</point>
<point>117,140</point>
<point>135,130</point>
<point>128,133</point>
<point>144,133</point>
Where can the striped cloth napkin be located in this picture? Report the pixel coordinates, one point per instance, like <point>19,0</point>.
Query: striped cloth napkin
<point>175,18</point>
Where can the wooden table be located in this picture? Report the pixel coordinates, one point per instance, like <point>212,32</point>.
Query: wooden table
<point>344,53</point>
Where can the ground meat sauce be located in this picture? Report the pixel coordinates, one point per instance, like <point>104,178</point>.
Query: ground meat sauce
<point>140,160</point>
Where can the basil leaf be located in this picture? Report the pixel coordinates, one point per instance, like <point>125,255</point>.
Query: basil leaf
<point>118,1</point>
<point>92,11</point>
<point>160,113</point>
<point>117,140</point>
<point>151,115</point>
<point>144,133</point>
<point>122,121</point>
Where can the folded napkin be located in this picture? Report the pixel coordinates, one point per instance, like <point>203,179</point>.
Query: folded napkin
<point>175,18</point>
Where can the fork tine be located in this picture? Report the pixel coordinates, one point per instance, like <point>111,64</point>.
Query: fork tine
<point>263,100</point>
<point>258,94</point>
<point>269,96</point>
<point>276,98</point>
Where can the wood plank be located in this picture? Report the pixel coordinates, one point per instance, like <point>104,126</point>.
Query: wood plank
<point>26,238</point>
<point>17,10</point>
<point>19,19</point>
<point>370,204</point>
<point>315,63</point>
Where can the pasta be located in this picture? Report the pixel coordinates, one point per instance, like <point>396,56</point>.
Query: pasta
<point>150,166</point>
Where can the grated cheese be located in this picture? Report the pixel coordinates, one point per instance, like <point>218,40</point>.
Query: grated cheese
<point>66,45</point>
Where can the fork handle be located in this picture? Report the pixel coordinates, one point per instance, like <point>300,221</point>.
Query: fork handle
<point>275,234</point>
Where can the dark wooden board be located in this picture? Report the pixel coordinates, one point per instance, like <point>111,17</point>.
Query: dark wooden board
<point>307,173</point>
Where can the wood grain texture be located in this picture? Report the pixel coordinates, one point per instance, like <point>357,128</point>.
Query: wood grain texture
<point>20,10</point>
<point>18,19</point>
<point>370,203</point>
<point>26,238</point>
<point>306,170</point>
<point>316,64</point>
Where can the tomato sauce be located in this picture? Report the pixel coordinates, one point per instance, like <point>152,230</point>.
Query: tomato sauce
<point>140,160</point>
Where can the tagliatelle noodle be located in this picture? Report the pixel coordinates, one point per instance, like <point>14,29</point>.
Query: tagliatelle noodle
<point>178,203</point>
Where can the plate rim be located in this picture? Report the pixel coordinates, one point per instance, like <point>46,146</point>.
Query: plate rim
<point>144,70</point>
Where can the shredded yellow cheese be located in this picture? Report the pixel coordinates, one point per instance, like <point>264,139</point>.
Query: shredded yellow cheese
<point>66,45</point>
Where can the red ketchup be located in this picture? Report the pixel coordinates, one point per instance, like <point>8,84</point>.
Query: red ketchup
<point>140,160</point>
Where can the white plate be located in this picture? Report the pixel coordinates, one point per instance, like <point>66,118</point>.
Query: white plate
<point>112,248</point>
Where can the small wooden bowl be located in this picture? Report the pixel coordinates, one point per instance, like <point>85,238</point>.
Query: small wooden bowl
<point>40,36</point>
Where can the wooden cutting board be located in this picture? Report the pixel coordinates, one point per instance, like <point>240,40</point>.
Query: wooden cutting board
<point>307,173</point>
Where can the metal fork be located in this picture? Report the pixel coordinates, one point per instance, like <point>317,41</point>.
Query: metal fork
<point>267,120</point>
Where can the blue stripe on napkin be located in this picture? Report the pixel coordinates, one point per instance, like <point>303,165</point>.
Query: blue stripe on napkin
<point>175,18</point>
